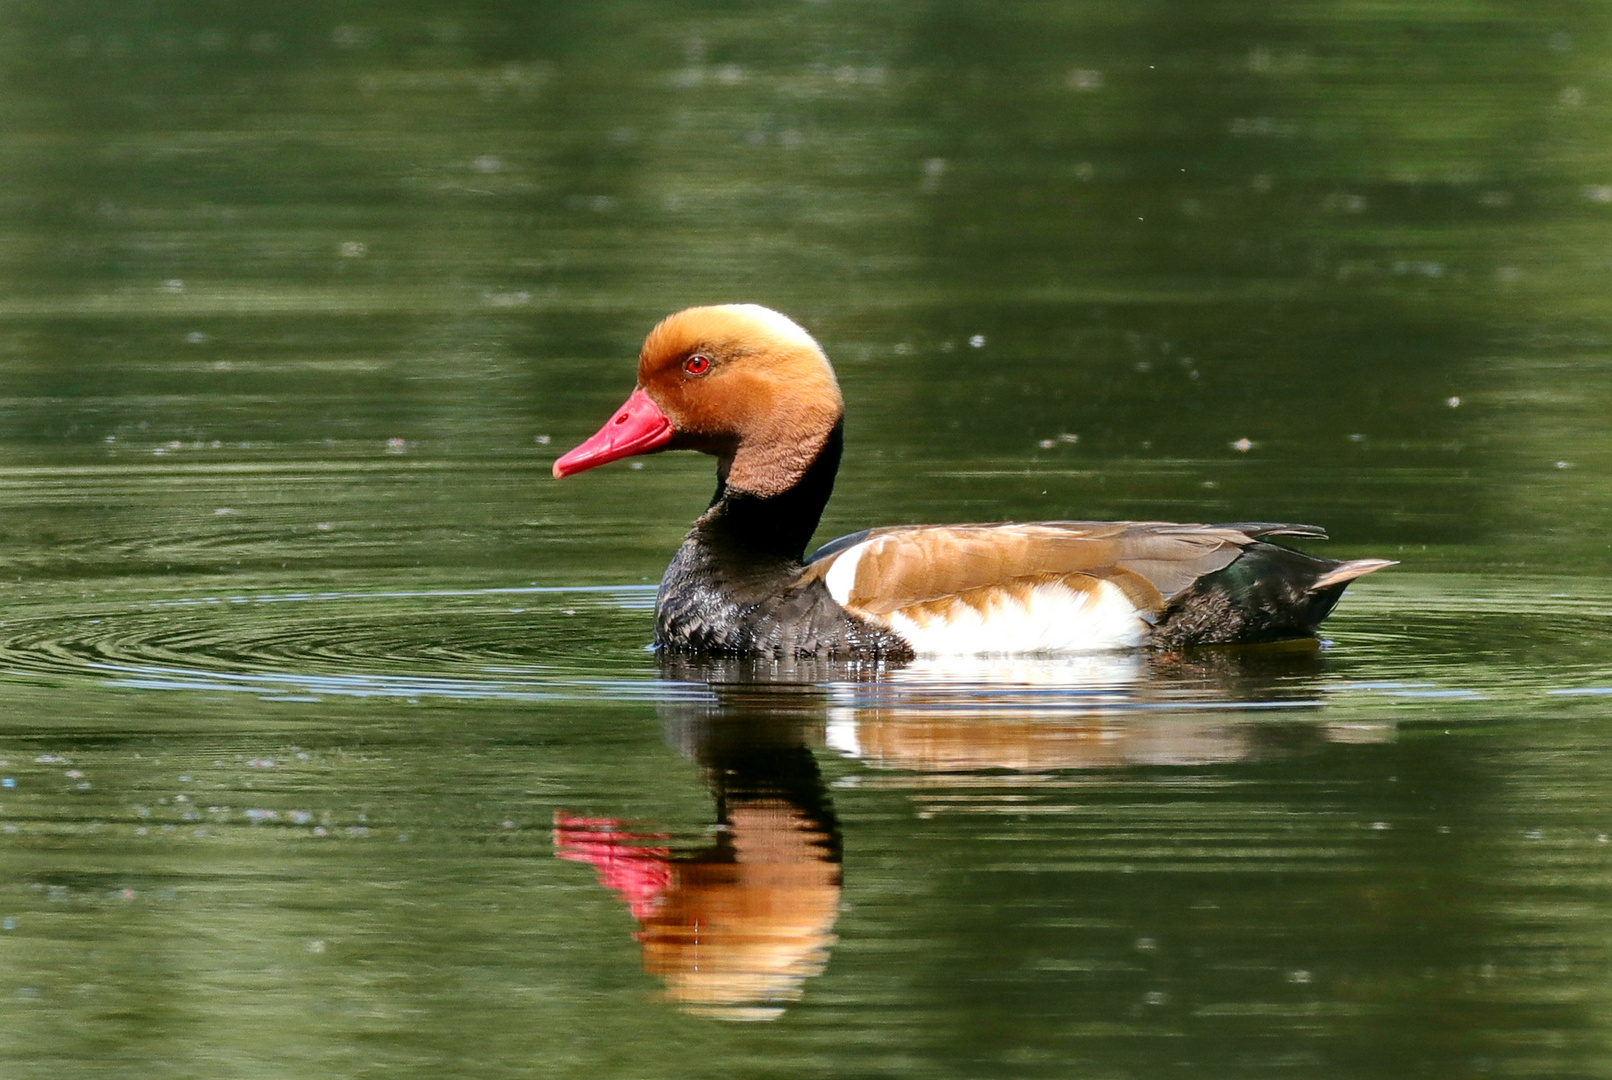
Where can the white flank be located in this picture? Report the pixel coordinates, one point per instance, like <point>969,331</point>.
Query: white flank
<point>1057,619</point>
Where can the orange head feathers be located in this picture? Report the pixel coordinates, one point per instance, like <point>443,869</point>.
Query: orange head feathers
<point>739,381</point>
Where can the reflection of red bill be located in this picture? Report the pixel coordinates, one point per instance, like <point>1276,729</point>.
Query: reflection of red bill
<point>626,866</point>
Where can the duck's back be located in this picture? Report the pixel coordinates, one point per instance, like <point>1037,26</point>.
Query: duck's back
<point>1071,586</point>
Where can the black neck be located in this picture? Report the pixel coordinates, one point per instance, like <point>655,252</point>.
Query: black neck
<point>780,525</point>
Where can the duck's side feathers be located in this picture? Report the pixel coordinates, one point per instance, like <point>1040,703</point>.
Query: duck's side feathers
<point>885,570</point>
<point>1038,587</point>
<point>1344,573</point>
<point>1070,586</point>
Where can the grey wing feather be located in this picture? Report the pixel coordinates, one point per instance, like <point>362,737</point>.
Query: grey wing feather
<point>1259,529</point>
<point>838,544</point>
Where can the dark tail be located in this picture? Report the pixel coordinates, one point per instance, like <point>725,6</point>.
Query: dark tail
<point>1269,593</point>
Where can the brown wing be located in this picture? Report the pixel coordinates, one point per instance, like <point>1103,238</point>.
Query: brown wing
<point>1151,561</point>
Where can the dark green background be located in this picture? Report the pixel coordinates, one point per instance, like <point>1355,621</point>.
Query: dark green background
<point>301,300</point>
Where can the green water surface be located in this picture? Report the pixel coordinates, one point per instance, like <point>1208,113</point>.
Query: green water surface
<point>330,741</point>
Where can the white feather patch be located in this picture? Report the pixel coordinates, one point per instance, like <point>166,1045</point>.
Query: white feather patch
<point>841,576</point>
<point>1054,618</point>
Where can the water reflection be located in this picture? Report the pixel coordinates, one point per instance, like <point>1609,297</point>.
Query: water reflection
<point>735,927</point>
<point>1089,712</point>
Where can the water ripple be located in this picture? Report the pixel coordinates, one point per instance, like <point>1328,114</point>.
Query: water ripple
<point>512,643</point>
<point>1410,645</point>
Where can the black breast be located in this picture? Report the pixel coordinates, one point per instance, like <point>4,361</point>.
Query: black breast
<point>719,600</point>
<point>734,586</point>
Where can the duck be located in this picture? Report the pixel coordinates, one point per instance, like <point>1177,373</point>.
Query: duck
<point>752,388</point>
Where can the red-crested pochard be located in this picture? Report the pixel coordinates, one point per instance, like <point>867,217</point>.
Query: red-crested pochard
<point>751,387</point>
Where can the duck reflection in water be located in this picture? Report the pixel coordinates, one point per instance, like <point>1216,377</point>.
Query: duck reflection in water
<point>1092,711</point>
<point>736,928</point>
<point>733,929</point>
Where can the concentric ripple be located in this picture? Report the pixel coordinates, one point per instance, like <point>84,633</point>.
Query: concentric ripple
<point>517,643</point>
<point>1413,640</point>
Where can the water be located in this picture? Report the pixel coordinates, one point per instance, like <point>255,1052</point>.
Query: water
<point>330,742</point>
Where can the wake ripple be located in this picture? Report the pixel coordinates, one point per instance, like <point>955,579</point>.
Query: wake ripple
<point>538,643</point>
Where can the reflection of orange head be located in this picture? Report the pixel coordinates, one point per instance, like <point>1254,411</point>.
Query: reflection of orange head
<point>734,938</point>
<point>735,931</point>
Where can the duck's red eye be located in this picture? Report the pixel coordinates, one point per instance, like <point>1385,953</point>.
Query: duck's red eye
<point>697,364</point>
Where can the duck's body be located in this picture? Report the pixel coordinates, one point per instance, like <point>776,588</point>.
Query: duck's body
<point>748,385</point>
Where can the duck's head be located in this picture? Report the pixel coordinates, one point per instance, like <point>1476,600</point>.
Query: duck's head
<point>738,381</point>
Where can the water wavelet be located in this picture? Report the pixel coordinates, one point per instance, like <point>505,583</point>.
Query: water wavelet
<point>515,643</point>
<point>1413,644</point>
